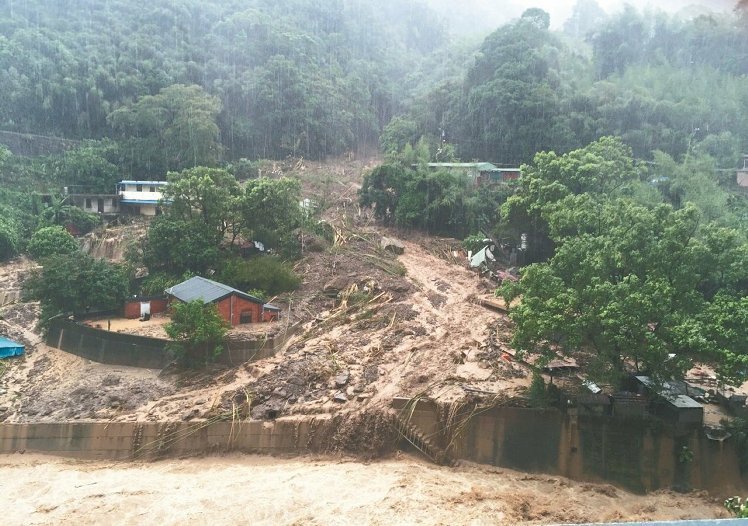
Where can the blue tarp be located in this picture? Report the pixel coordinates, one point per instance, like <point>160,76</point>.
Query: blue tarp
<point>10,348</point>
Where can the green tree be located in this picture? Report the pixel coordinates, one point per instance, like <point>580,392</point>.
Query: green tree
<point>76,283</point>
<point>268,274</point>
<point>630,287</point>
<point>197,331</point>
<point>9,239</point>
<point>177,246</point>
<point>603,167</point>
<point>61,213</point>
<point>51,241</point>
<point>271,210</point>
<point>173,130</point>
<point>211,195</point>
<point>91,166</point>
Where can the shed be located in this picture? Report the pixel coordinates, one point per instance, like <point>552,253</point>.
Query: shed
<point>235,306</point>
<point>10,348</point>
<point>681,409</point>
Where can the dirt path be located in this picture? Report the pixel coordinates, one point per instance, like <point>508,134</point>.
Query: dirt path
<point>261,490</point>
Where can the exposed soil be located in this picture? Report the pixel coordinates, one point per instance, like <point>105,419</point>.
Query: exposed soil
<point>261,490</point>
<point>371,326</point>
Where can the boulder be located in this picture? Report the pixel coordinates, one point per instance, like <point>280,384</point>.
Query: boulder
<point>392,245</point>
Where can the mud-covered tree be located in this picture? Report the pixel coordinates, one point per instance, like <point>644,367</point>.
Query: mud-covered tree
<point>197,331</point>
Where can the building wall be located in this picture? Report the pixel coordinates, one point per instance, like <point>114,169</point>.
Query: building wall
<point>742,177</point>
<point>231,309</point>
<point>90,203</point>
<point>132,308</point>
<point>270,315</point>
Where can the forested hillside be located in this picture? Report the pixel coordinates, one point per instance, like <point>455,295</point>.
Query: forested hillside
<point>659,82</point>
<point>299,77</point>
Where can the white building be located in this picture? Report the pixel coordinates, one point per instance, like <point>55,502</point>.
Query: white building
<point>140,197</point>
<point>743,173</point>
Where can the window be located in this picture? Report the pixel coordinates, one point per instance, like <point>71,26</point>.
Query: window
<point>152,189</point>
<point>139,187</point>
<point>88,202</point>
<point>245,317</point>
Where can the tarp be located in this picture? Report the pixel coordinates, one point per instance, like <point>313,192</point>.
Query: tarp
<point>10,348</point>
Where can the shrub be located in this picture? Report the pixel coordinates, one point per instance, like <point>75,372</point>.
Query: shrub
<point>50,241</point>
<point>197,331</point>
<point>266,273</point>
<point>9,239</point>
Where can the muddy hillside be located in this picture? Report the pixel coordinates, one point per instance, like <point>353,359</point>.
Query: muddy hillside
<point>372,320</point>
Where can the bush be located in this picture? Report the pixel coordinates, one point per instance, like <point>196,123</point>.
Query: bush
<point>9,239</point>
<point>197,331</point>
<point>266,273</point>
<point>50,241</point>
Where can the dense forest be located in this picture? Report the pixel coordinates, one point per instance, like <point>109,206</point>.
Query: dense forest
<point>171,85</point>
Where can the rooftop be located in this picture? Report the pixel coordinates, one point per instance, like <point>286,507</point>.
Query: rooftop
<point>206,290</point>
<point>151,183</point>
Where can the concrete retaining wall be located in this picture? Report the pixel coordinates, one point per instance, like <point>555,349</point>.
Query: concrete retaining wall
<point>638,454</point>
<point>115,348</point>
<point>129,441</point>
<point>112,348</point>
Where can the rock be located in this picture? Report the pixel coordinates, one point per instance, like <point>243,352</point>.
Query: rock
<point>333,287</point>
<point>340,397</point>
<point>392,245</point>
<point>341,380</point>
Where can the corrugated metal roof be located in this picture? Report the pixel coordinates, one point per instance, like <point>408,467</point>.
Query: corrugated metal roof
<point>206,290</point>
<point>270,306</point>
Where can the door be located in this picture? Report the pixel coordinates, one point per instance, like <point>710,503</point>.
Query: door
<point>100,206</point>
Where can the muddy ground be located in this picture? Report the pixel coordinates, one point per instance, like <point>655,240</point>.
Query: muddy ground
<point>369,325</point>
<point>260,490</point>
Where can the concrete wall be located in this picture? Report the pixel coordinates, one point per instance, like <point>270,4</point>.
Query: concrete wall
<point>108,347</point>
<point>128,440</point>
<point>639,454</point>
<point>116,348</point>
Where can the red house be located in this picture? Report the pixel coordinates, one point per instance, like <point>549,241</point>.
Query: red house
<point>235,306</point>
